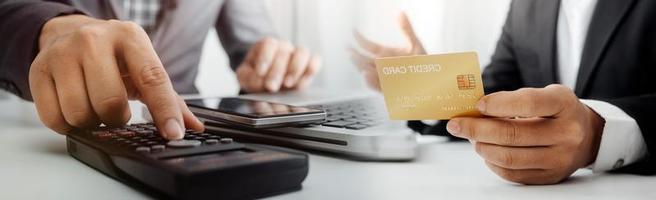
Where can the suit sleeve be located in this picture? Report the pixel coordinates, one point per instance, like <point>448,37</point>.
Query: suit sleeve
<point>502,74</point>
<point>642,109</point>
<point>20,26</point>
<point>240,25</point>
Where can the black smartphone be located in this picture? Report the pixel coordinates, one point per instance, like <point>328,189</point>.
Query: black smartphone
<point>254,113</point>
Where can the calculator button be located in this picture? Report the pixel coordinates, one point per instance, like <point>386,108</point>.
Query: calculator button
<point>126,133</point>
<point>157,148</point>
<point>118,139</point>
<point>117,129</point>
<point>226,140</point>
<point>135,129</point>
<point>143,149</point>
<point>104,135</point>
<point>145,132</point>
<point>211,141</point>
<point>183,143</point>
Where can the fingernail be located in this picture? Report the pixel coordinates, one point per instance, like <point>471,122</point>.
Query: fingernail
<point>261,70</point>
<point>453,127</point>
<point>274,84</point>
<point>289,81</point>
<point>481,106</point>
<point>201,123</point>
<point>173,130</point>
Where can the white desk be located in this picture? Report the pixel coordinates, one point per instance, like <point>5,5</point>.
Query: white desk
<point>34,165</point>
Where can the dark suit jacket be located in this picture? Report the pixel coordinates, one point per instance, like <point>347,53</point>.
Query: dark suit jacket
<point>618,63</point>
<point>20,27</point>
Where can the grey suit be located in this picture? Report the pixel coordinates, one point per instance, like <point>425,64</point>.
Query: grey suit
<point>178,39</point>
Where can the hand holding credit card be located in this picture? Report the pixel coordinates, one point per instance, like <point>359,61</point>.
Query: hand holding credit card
<point>431,87</point>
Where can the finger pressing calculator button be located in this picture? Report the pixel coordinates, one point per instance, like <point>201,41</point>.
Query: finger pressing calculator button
<point>183,143</point>
<point>211,141</point>
<point>143,150</point>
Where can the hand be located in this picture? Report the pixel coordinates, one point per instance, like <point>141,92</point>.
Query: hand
<point>374,50</point>
<point>87,69</point>
<point>273,65</point>
<point>533,136</point>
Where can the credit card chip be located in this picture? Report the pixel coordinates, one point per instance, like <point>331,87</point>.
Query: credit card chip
<point>466,82</point>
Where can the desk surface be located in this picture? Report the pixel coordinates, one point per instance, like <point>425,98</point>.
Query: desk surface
<point>35,165</point>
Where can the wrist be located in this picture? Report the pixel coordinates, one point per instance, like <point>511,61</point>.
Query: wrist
<point>59,26</point>
<point>596,124</point>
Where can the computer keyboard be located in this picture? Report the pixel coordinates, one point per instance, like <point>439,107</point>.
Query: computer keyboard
<point>353,114</point>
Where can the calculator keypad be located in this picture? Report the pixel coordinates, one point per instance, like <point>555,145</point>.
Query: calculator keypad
<point>145,138</point>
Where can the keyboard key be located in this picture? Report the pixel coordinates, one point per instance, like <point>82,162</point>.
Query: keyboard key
<point>183,143</point>
<point>145,132</point>
<point>135,129</point>
<point>211,142</point>
<point>226,140</point>
<point>338,124</point>
<point>157,148</point>
<point>126,133</point>
<point>356,120</point>
<point>357,126</point>
<point>104,135</point>
<point>117,129</point>
<point>143,150</point>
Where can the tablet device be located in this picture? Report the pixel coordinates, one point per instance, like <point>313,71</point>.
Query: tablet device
<point>254,113</point>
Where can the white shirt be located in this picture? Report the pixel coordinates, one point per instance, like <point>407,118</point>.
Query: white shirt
<point>621,142</point>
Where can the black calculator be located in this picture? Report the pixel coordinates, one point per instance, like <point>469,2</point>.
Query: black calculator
<point>200,166</point>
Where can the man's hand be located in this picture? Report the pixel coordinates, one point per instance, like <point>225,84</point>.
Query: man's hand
<point>533,136</point>
<point>273,65</point>
<point>365,61</point>
<point>87,69</point>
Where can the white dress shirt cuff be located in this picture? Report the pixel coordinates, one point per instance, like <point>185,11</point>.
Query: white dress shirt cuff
<point>621,140</point>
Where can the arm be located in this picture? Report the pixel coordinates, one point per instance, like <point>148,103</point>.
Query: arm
<point>261,62</point>
<point>21,23</point>
<point>641,108</point>
<point>67,64</point>
<point>240,25</point>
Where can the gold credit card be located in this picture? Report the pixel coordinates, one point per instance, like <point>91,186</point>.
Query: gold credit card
<point>431,87</point>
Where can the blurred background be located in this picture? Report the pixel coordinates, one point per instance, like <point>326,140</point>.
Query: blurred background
<point>326,27</point>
